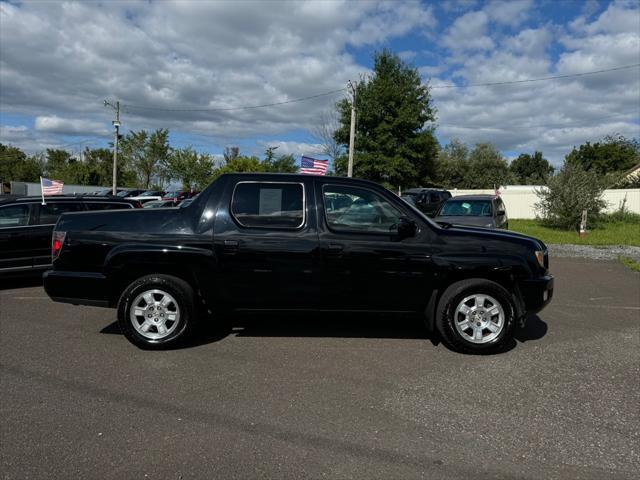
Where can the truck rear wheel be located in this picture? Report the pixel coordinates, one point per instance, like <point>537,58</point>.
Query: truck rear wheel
<point>157,311</point>
<point>476,316</point>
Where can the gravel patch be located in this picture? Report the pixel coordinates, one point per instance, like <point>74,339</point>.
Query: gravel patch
<point>604,252</point>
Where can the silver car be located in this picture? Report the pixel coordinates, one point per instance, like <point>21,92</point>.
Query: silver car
<point>474,210</point>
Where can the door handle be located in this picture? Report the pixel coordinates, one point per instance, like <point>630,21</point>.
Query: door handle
<point>231,246</point>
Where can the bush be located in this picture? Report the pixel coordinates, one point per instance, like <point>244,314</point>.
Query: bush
<point>567,194</point>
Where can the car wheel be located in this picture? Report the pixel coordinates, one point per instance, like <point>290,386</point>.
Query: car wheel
<point>476,316</point>
<point>157,312</point>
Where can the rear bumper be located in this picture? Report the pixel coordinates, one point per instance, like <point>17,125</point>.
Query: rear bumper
<point>536,293</point>
<point>79,288</point>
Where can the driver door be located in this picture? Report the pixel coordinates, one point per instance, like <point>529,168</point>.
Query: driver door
<point>366,266</point>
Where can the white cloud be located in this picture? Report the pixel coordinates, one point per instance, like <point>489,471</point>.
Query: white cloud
<point>469,32</point>
<point>62,59</point>
<point>68,126</point>
<point>509,12</point>
<point>291,148</point>
<point>551,116</point>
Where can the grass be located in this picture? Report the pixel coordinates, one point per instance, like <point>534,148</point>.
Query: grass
<point>628,262</point>
<point>610,233</point>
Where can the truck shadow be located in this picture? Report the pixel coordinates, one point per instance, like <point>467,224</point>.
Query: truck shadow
<point>311,325</point>
<point>23,281</point>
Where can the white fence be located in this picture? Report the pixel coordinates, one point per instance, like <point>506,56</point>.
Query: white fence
<point>521,199</point>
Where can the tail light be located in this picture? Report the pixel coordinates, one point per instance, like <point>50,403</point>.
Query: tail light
<point>137,204</point>
<point>57,242</point>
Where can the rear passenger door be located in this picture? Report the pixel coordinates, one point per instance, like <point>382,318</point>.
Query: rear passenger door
<point>14,237</point>
<point>266,244</point>
<point>45,219</point>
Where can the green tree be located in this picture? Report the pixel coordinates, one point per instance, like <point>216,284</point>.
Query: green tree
<point>195,170</point>
<point>452,165</point>
<point>487,168</point>
<point>568,193</point>
<point>16,166</point>
<point>280,164</point>
<point>242,164</point>
<point>146,155</point>
<point>392,144</point>
<point>613,154</point>
<point>531,169</point>
<point>483,167</point>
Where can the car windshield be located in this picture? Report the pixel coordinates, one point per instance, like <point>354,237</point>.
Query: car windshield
<point>123,193</point>
<point>171,194</point>
<point>466,208</point>
<point>149,194</point>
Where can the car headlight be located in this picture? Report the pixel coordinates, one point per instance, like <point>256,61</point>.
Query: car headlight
<point>540,257</point>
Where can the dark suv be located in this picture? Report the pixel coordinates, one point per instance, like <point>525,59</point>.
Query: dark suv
<point>26,226</point>
<point>427,200</point>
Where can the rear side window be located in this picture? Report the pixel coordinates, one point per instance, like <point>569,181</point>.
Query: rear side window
<point>268,205</point>
<point>14,216</point>
<point>50,212</point>
<point>445,196</point>
<point>106,205</point>
<point>434,198</point>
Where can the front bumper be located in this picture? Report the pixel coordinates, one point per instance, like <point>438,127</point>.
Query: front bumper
<point>536,293</point>
<point>79,288</point>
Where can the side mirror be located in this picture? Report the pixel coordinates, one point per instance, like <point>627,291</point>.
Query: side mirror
<point>500,213</point>
<point>406,228</point>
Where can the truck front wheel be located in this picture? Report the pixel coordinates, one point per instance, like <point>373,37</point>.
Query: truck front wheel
<point>157,311</point>
<point>476,316</point>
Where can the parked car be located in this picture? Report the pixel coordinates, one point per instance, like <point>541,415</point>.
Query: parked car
<point>427,200</point>
<point>179,196</point>
<point>149,196</point>
<point>26,227</point>
<point>159,204</point>
<point>296,242</point>
<point>130,193</point>
<point>477,210</point>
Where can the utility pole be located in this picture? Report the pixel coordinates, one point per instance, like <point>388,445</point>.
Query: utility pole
<point>116,126</point>
<point>352,131</point>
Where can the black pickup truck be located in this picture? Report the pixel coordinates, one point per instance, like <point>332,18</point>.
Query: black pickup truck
<point>296,243</point>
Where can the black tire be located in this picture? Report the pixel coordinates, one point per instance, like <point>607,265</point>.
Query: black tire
<point>184,298</point>
<point>451,298</point>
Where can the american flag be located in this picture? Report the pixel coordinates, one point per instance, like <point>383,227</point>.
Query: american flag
<point>314,167</point>
<point>51,187</point>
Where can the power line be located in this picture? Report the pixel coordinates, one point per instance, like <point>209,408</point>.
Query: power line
<point>331,92</point>
<point>555,77</point>
<point>247,107</point>
<point>540,125</point>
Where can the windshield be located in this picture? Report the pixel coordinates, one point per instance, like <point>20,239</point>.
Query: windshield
<point>149,194</point>
<point>123,193</point>
<point>466,208</point>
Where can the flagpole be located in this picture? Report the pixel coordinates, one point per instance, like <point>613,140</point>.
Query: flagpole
<point>42,192</point>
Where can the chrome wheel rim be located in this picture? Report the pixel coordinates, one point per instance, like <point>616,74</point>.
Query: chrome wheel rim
<point>154,314</point>
<point>479,318</point>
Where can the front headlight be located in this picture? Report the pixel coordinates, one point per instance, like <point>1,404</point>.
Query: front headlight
<point>540,257</point>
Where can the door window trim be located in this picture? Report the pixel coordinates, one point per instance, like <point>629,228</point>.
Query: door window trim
<point>304,205</point>
<point>355,232</point>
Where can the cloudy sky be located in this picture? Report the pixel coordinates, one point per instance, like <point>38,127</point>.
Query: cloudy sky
<point>188,65</point>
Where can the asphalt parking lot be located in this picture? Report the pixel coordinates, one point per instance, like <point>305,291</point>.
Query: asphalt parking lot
<point>339,397</point>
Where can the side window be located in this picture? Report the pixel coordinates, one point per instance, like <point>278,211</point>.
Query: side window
<point>106,206</point>
<point>358,210</point>
<point>444,196</point>
<point>14,216</point>
<point>268,205</point>
<point>50,212</point>
<point>434,198</point>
